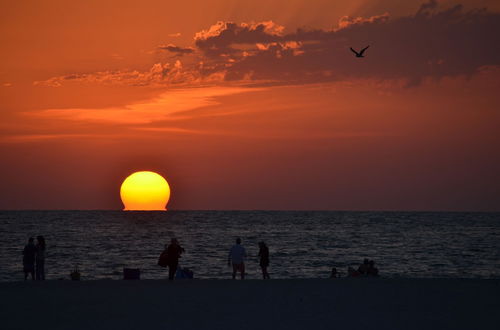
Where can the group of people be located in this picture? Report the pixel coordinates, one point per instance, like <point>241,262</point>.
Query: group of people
<point>238,254</point>
<point>236,258</point>
<point>34,259</point>
<point>367,268</point>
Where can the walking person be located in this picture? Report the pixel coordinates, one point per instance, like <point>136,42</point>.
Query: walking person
<point>237,256</point>
<point>174,251</point>
<point>29,254</point>
<point>264,259</point>
<point>40,258</point>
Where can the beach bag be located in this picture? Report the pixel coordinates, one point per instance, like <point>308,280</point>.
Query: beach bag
<point>184,273</point>
<point>163,259</point>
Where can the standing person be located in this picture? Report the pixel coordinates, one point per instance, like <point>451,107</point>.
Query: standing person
<point>264,259</point>
<point>372,270</point>
<point>363,268</point>
<point>29,254</point>
<point>174,251</point>
<point>40,258</point>
<point>163,259</point>
<point>237,256</point>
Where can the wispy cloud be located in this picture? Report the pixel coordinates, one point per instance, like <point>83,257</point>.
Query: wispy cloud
<point>20,138</point>
<point>172,105</point>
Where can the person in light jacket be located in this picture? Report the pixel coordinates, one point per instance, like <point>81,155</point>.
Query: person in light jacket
<point>236,258</point>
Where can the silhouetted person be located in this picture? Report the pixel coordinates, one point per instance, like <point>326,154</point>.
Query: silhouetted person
<point>237,256</point>
<point>29,254</point>
<point>363,268</point>
<point>372,270</point>
<point>264,259</point>
<point>40,258</point>
<point>360,54</point>
<point>163,259</point>
<point>174,251</point>
<point>334,274</point>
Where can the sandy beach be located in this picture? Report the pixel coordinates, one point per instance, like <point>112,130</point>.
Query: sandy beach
<point>252,304</point>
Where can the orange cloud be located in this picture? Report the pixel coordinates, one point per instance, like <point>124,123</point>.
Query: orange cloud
<point>170,105</point>
<point>19,138</point>
<point>238,33</point>
<point>159,74</point>
<point>346,21</point>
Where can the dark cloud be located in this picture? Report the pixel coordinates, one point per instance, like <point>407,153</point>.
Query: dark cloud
<point>427,7</point>
<point>432,43</point>
<point>176,49</point>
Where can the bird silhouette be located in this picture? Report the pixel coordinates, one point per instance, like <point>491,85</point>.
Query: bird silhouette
<point>360,54</point>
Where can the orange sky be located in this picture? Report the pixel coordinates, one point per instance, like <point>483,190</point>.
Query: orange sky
<point>267,109</point>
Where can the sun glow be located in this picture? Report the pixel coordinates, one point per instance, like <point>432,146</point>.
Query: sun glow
<point>145,191</point>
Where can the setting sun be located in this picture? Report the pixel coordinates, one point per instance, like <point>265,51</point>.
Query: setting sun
<point>145,191</point>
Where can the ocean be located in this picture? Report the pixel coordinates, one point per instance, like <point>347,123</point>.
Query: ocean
<point>302,244</point>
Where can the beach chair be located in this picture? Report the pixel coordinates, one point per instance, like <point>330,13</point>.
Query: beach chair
<point>131,274</point>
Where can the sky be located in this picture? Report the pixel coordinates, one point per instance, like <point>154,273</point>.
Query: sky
<point>252,104</point>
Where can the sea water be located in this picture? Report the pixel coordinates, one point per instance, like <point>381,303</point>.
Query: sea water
<point>302,244</point>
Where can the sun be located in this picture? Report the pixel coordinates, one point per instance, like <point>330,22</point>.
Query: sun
<point>145,191</point>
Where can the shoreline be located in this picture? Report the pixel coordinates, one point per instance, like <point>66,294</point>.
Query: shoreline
<point>379,303</point>
<point>228,279</point>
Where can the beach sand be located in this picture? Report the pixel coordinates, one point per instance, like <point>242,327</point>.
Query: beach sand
<point>366,303</point>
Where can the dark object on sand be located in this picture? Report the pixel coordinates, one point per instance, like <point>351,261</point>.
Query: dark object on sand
<point>184,273</point>
<point>131,274</point>
<point>75,274</point>
<point>360,54</point>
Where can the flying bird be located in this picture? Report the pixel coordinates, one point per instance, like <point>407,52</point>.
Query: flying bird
<point>360,54</point>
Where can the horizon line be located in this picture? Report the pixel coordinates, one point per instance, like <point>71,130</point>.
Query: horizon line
<point>248,210</point>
